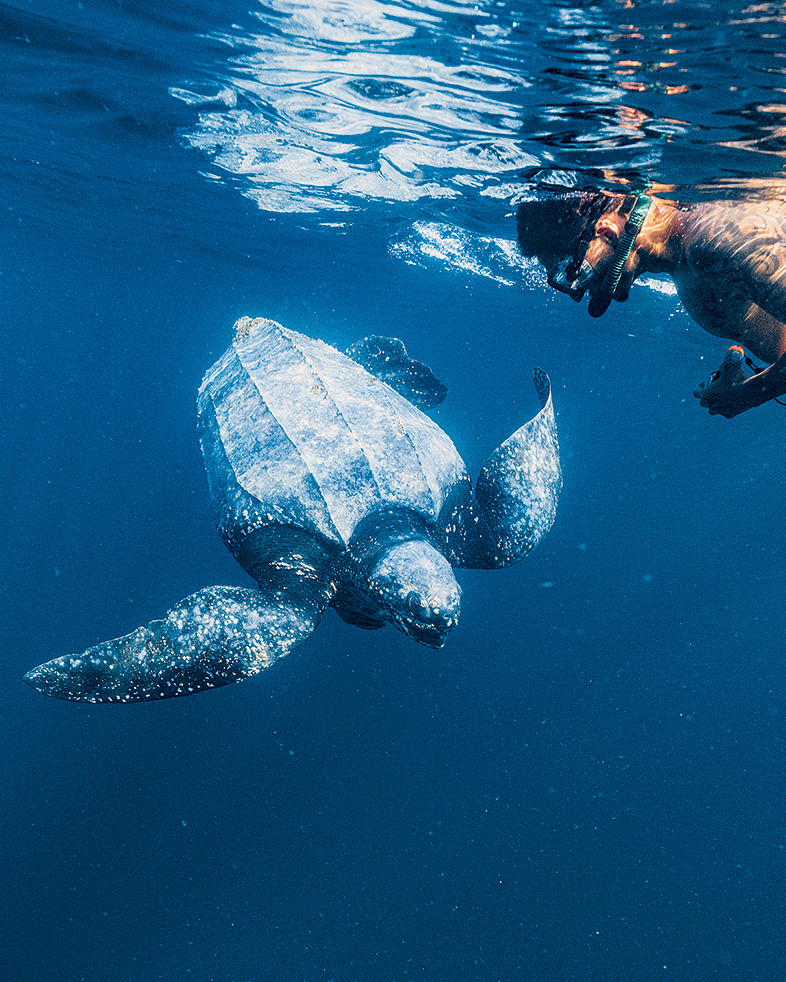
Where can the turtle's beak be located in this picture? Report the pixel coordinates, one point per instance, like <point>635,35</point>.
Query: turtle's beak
<point>429,624</point>
<point>431,635</point>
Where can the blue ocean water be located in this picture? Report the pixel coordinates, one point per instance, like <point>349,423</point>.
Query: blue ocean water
<point>587,782</point>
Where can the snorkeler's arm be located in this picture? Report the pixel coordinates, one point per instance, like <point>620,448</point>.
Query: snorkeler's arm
<point>730,392</point>
<point>742,253</point>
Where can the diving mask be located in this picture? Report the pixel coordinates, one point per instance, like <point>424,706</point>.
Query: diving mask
<point>572,280</point>
<point>573,275</point>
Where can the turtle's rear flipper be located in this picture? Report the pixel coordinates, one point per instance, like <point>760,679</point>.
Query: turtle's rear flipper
<point>216,636</point>
<point>518,488</point>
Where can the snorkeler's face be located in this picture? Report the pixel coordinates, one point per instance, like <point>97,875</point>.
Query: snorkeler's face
<point>593,255</point>
<point>600,254</point>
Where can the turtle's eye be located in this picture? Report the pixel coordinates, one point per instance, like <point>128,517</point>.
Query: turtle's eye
<point>415,604</point>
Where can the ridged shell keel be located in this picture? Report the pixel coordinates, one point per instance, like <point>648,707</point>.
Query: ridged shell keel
<point>295,432</point>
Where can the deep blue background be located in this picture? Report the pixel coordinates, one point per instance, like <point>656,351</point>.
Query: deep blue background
<point>586,783</point>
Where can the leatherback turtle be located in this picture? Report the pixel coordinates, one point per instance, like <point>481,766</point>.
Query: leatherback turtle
<point>331,488</point>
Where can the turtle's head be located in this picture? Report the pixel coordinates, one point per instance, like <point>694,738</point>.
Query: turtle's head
<point>415,588</point>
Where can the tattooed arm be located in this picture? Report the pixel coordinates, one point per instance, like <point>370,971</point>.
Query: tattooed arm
<point>733,282</point>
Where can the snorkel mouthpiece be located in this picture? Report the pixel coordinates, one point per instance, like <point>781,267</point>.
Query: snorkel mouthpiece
<point>599,302</point>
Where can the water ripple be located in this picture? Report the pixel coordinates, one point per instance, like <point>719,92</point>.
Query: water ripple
<point>341,102</point>
<point>325,106</point>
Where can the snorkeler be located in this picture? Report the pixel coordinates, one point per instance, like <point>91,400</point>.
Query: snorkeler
<point>727,260</point>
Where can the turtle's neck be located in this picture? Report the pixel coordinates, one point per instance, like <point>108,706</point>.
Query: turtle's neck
<point>292,568</point>
<point>375,535</point>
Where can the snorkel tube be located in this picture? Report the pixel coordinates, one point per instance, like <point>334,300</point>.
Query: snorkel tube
<point>599,302</point>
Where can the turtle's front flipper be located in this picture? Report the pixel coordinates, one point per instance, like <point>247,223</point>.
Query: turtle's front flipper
<point>387,360</point>
<point>216,636</point>
<point>517,492</point>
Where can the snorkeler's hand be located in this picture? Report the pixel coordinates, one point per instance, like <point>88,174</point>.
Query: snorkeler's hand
<point>724,394</point>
